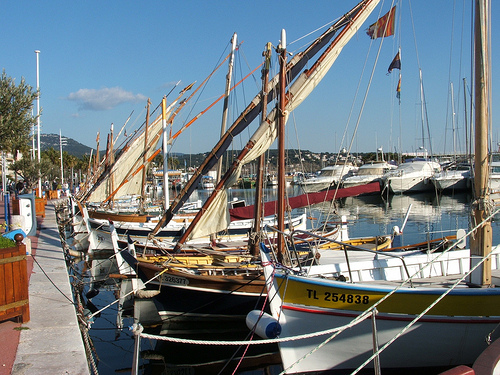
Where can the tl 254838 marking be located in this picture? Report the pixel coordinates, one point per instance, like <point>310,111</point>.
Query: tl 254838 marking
<point>339,297</point>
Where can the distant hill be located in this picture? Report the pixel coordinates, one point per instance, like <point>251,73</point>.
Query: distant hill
<point>295,159</point>
<point>71,146</point>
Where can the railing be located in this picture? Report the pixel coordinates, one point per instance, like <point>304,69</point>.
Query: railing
<point>14,302</point>
<point>292,236</point>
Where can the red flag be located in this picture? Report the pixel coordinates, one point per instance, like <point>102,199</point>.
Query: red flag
<point>384,25</point>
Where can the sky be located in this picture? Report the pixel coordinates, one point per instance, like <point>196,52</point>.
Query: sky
<point>100,61</point>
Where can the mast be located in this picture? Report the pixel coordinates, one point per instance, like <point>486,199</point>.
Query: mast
<point>259,184</point>
<point>144,158</point>
<point>226,101</point>
<point>111,157</point>
<point>166,200</point>
<point>281,147</point>
<point>305,82</point>
<point>481,242</point>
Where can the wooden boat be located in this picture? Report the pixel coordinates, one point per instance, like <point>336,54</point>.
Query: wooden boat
<point>440,313</point>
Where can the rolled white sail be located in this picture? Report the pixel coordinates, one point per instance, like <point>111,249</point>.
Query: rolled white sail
<point>216,217</point>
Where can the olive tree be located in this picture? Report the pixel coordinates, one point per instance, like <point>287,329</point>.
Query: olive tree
<point>16,119</point>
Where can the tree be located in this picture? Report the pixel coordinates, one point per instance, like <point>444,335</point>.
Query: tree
<point>16,120</point>
<point>30,170</point>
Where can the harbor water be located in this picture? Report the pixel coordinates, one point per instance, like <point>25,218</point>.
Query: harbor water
<point>427,216</point>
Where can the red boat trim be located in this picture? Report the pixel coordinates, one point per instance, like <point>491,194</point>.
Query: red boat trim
<point>304,200</point>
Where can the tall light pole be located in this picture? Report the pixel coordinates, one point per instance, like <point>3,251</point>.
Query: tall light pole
<point>38,115</point>
<point>60,149</point>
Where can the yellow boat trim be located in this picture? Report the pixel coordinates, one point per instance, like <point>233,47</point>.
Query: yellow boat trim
<point>352,297</point>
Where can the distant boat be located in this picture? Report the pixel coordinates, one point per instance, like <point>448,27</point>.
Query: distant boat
<point>207,183</point>
<point>414,175</point>
<point>327,177</point>
<point>368,172</point>
<point>454,177</point>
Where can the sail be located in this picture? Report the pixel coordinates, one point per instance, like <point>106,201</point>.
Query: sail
<point>126,181</point>
<point>215,216</point>
<point>294,67</point>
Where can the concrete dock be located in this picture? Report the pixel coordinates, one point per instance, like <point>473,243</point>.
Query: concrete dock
<point>50,343</point>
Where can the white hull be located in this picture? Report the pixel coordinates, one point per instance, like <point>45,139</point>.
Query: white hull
<point>429,343</point>
<point>415,184</point>
<point>452,180</point>
<point>237,231</point>
<point>411,177</point>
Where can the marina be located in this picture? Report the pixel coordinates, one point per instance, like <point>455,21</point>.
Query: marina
<point>430,215</point>
<point>257,262</point>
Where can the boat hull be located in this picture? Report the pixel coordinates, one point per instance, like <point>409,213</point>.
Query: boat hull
<point>432,342</point>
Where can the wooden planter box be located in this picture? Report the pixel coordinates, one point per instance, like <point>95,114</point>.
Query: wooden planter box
<point>52,194</point>
<point>40,207</point>
<point>14,302</point>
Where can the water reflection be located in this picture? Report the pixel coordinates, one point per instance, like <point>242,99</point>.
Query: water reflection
<point>166,357</point>
<point>430,216</point>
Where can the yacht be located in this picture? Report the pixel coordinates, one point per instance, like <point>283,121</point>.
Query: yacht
<point>369,172</point>
<point>414,175</point>
<point>326,177</point>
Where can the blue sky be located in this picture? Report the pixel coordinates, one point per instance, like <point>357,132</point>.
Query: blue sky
<point>101,60</point>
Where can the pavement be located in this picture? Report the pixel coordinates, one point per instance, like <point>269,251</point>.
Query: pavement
<point>50,343</point>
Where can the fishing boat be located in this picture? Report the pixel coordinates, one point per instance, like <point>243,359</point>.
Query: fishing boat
<point>230,288</point>
<point>446,317</point>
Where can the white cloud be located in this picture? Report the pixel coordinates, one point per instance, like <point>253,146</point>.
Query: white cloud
<point>104,98</point>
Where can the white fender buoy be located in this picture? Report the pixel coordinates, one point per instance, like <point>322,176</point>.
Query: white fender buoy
<point>266,327</point>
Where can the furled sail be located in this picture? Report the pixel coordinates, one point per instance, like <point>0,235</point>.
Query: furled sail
<point>214,216</point>
<point>348,25</point>
<point>127,162</point>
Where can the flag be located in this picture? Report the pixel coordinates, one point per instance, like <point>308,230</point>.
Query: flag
<point>395,64</point>
<point>398,89</point>
<point>384,25</point>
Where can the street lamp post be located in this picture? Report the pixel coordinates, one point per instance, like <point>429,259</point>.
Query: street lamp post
<point>39,193</point>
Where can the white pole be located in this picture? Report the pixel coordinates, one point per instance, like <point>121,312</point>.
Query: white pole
<point>60,149</point>
<point>38,115</point>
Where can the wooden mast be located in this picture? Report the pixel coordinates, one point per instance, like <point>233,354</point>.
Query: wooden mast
<point>281,147</point>
<point>144,158</point>
<point>481,241</point>
<point>259,183</point>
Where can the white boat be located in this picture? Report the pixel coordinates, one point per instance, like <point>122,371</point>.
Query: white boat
<point>332,325</point>
<point>495,177</point>
<point>327,177</point>
<point>368,172</point>
<point>453,178</point>
<point>236,234</point>
<point>441,312</point>
<point>414,175</point>
<point>207,183</point>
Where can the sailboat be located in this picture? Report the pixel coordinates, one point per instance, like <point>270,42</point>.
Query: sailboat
<point>224,288</point>
<point>342,324</point>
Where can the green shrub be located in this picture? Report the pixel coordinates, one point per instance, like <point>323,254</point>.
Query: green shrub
<point>6,242</point>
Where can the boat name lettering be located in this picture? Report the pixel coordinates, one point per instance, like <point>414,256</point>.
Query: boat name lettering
<point>339,297</point>
<point>174,280</point>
